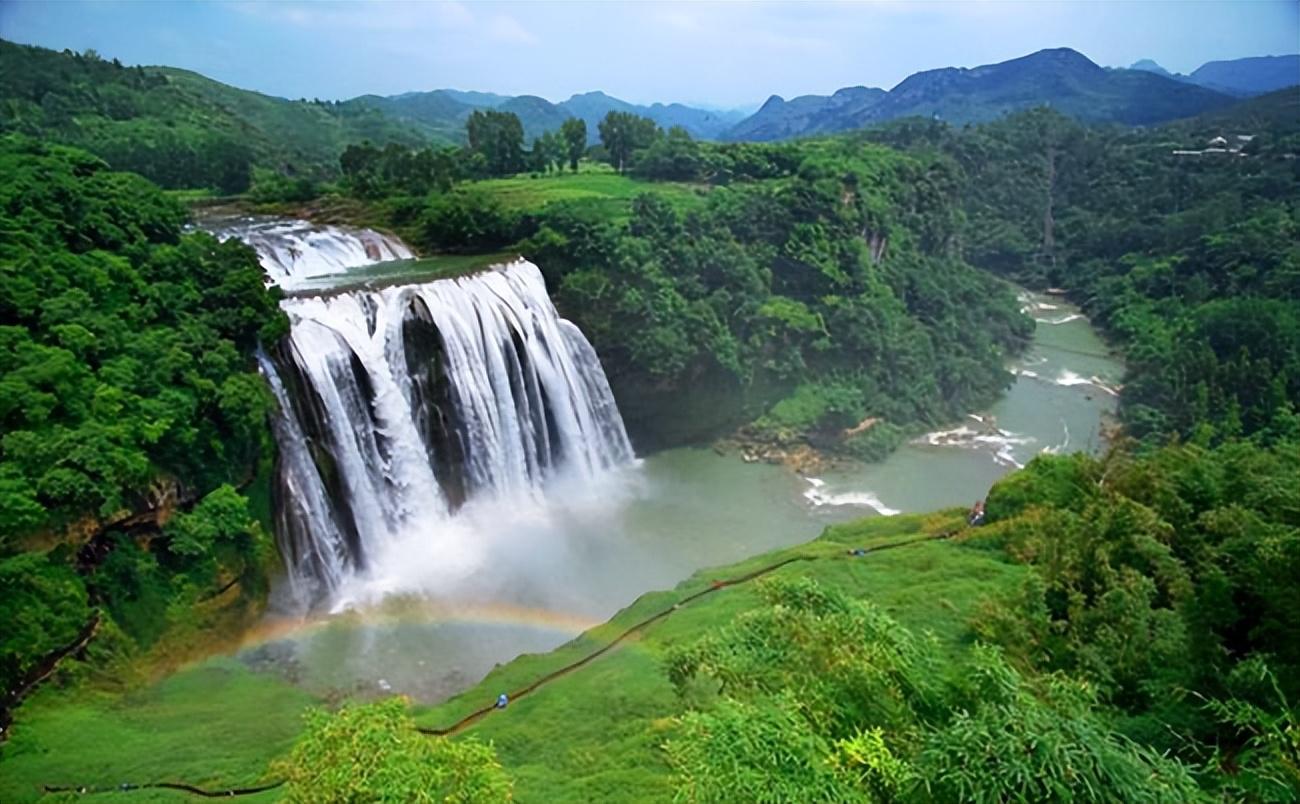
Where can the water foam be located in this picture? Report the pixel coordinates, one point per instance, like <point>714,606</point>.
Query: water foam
<point>818,497</point>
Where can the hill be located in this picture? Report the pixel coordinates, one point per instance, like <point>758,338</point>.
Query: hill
<point>537,114</point>
<point>177,127</point>
<point>442,112</point>
<point>1256,75</point>
<point>703,124</point>
<point>779,119</point>
<point>1252,76</point>
<point>1061,78</point>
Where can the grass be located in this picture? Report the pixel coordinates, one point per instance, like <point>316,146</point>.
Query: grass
<point>529,193</point>
<point>594,735</point>
<point>591,735</point>
<point>214,725</point>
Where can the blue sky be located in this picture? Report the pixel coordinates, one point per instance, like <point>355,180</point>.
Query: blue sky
<point>720,54</point>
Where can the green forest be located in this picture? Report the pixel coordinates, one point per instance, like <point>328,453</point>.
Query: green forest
<point>1121,627</point>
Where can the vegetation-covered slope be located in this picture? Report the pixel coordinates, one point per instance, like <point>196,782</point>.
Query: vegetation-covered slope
<point>444,112</point>
<point>176,127</point>
<point>1187,258</point>
<point>1120,631</point>
<point>1066,639</point>
<point>127,390</point>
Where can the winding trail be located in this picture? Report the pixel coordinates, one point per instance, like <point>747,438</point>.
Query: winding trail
<point>479,714</point>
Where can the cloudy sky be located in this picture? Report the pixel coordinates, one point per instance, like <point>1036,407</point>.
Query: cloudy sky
<point>719,54</point>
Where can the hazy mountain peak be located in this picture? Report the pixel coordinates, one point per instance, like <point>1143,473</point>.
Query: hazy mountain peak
<point>1150,66</point>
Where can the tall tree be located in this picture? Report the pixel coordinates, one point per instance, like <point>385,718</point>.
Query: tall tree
<point>548,151</point>
<point>499,138</point>
<point>624,132</point>
<point>574,131</point>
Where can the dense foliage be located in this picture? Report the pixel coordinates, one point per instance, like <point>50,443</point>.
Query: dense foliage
<point>178,128</point>
<point>817,696</point>
<point>1148,655</point>
<point>126,386</point>
<point>125,344</point>
<point>1182,249</point>
<point>1171,584</point>
<point>373,753</point>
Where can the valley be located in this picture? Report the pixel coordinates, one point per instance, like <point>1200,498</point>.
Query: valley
<point>930,444</point>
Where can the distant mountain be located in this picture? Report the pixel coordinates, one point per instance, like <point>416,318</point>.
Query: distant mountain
<point>537,114</point>
<point>1252,76</point>
<point>442,112</point>
<point>1151,67</point>
<point>705,124</point>
<point>778,118</point>
<point>1238,77</point>
<point>1061,78</point>
<point>479,100</point>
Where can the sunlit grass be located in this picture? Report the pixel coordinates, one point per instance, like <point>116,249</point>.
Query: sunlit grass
<point>529,192</point>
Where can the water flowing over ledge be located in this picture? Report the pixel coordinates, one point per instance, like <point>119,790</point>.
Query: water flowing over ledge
<point>399,405</point>
<point>293,252</point>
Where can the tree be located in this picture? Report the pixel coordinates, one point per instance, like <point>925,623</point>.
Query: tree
<point>499,138</point>
<point>673,158</point>
<point>548,151</point>
<point>373,753</point>
<point>624,132</point>
<point>574,132</point>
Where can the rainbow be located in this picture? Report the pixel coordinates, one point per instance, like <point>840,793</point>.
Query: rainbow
<point>409,611</point>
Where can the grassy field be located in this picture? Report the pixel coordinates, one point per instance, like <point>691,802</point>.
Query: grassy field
<point>216,724</point>
<point>591,735</point>
<point>593,183</point>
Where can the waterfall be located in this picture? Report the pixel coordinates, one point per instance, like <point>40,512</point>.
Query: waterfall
<point>397,406</point>
<point>294,251</point>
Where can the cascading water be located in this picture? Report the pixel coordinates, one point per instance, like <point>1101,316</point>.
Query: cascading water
<point>295,251</point>
<point>399,405</point>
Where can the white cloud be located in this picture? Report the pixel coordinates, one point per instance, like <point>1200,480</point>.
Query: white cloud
<point>505,28</point>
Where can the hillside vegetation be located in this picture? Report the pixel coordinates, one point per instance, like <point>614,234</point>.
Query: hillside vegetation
<point>177,128</point>
<point>745,276</point>
<point>1120,631</point>
<point>1186,257</point>
<point>127,391</point>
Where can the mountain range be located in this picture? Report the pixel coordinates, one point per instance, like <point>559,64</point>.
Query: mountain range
<point>443,112</point>
<point>151,119</point>
<point>1240,77</point>
<point>1062,78</point>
